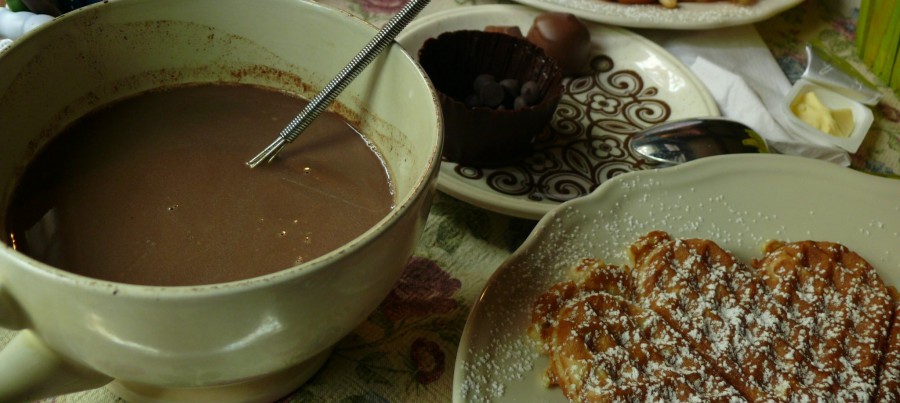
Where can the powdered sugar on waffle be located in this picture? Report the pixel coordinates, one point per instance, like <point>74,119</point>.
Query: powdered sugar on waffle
<point>600,344</point>
<point>889,379</point>
<point>839,309</point>
<point>603,346</point>
<point>818,347</point>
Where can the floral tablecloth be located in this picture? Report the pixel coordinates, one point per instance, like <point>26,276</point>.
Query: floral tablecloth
<point>405,351</point>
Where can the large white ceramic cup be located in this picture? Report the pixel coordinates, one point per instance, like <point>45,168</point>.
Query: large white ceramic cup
<point>247,340</point>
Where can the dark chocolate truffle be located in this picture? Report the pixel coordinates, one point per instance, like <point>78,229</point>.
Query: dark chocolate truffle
<point>564,38</point>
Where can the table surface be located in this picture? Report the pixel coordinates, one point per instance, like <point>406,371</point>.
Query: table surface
<point>405,351</point>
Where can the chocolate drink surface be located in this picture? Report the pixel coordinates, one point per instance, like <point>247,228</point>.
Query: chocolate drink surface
<point>153,189</point>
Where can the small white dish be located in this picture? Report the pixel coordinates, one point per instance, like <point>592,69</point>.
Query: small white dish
<point>739,200</point>
<point>862,116</point>
<point>636,84</point>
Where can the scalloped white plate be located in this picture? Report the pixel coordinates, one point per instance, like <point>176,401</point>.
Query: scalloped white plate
<point>739,201</point>
<point>687,16</point>
<point>637,84</point>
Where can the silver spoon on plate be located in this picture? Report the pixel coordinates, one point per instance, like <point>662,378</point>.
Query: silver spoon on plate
<point>685,140</point>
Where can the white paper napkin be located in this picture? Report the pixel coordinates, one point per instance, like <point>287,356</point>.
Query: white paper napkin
<point>16,24</point>
<point>746,82</point>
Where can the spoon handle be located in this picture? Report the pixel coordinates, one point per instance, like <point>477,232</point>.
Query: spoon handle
<point>324,98</point>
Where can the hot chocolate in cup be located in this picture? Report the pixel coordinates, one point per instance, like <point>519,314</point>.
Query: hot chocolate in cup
<point>249,339</point>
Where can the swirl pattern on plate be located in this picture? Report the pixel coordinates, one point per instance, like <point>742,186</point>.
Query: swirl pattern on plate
<point>587,141</point>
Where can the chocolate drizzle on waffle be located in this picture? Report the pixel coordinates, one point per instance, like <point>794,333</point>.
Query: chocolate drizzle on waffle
<point>838,308</point>
<point>602,345</point>
<point>809,321</point>
<point>889,378</point>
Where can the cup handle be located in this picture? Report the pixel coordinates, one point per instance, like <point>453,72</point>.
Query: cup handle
<point>32,371</point>
<point>11,316</point>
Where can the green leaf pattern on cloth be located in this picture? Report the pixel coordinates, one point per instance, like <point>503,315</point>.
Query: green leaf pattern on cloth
<point>409,342</point>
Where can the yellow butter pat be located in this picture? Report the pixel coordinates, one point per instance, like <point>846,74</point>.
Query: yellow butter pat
<point>811,110</point>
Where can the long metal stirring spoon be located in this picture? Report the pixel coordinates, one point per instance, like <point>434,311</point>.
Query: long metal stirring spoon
<point>324,98</point>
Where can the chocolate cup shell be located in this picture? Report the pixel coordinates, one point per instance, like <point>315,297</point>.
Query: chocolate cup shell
<point>484,137</point>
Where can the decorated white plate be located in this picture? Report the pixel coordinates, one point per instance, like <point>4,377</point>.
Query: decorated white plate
<point>739,201</point>
<point>693,15</point>
<point>635,84</point>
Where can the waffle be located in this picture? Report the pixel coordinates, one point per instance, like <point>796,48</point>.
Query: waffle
<point>809,321</point>
<point>889,378</point>
<point>839,309</point>
<point>716,303</point>
<point>603,347</point>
